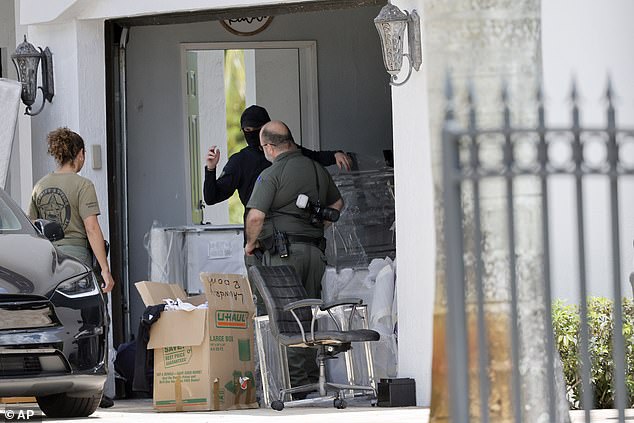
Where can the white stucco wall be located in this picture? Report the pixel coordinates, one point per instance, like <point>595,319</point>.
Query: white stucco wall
<point>79,103</point>
<point>589,40</point>
<point>415,241</point>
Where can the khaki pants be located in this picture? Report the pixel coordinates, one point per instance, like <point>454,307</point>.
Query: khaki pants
<point>84,255</point>
<point>80,253</point>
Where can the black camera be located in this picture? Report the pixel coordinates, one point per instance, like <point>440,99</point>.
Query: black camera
<point>317,213</point>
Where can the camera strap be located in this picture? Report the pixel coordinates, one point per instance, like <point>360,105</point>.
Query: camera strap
<point>296,215</point>
<point>278,212</point>
<point>316,182</point>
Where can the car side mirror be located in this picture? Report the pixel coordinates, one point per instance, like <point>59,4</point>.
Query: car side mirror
<point>50,229</point>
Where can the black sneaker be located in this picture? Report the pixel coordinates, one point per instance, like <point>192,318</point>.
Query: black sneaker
<point>106,402</point>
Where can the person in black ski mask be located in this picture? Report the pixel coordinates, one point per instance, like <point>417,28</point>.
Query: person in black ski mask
<point>243,167</point>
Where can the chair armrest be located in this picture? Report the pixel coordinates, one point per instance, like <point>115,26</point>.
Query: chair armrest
<point>340,302</point>
<point>309,302</point>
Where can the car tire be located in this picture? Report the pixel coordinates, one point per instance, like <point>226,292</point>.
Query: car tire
<point>64,405</point>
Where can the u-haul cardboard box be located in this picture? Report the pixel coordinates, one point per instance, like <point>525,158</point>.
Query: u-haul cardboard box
<point>203,359</point>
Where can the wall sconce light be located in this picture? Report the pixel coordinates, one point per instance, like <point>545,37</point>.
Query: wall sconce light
<point>26,60</point>
<point>391,23</point>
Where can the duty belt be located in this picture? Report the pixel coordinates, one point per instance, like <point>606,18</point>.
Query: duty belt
<point>299,239</point>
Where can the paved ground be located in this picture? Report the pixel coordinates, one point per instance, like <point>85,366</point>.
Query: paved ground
<point>601,416</point>
<point>140,411</point>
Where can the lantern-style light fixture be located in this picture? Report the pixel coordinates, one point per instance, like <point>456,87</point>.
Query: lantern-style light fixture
<point>27,60</point>
<point>391,24</point>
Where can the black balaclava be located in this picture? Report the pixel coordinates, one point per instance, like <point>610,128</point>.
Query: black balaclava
<point>254,117</point>
<point>253,138</point>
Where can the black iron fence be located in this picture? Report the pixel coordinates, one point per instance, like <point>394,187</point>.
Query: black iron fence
<point>464,172</point>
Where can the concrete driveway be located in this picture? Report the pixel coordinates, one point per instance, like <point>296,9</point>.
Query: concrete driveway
<point>141,411</point>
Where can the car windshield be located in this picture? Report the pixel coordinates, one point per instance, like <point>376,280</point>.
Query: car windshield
<point>12,218</point>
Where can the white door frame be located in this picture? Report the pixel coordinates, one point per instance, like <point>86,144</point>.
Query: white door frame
<point>308,86</point>
<point>308,89</point>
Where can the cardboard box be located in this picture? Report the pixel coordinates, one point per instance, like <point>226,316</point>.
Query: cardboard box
<point>203,359</point>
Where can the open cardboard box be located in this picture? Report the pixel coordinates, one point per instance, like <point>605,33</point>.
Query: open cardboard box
<point>203,359</point>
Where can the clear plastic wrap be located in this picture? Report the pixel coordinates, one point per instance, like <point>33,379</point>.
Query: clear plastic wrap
<point>365,229</point>
<point>271,363</point>
<point>375,285</point>
<point>357,364</point>
<point>179,254</point>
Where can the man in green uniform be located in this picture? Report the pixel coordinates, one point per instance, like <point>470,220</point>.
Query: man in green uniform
<point>272,208</point>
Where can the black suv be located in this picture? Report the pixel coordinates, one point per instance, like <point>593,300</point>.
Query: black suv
<point>53,321</point>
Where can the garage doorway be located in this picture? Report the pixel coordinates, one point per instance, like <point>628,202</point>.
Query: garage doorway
<point>149,175</point>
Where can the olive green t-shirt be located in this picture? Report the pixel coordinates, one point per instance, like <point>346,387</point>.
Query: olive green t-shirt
<point>278,186</point>
<point>66,198</point>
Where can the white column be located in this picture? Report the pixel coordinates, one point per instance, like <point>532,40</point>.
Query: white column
<point>415,240</point>
<point>488,44</point>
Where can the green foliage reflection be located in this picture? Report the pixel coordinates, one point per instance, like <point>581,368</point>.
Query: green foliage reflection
<point>235,83</point>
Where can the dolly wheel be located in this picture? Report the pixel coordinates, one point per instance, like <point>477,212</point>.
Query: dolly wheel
<point>340,403</point>
<point>277,405</point>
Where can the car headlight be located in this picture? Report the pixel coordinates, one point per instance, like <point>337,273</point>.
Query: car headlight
<point>77,288</point>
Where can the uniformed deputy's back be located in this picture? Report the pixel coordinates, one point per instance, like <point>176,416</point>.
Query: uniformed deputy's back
<point>277,188</point>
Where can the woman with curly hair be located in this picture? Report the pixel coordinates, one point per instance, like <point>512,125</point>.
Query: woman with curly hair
<point>69,199</point>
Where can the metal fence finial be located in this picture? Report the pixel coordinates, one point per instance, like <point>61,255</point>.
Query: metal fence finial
<point>471,104</point>
<point>504,91</point>
<point>611,115</point>
<point>609,92</point>
<point>505,101</point>
<point>574,93</point>
<point>449,96</point>
<point>539,95</point>
<point>470,92</point>
<point>576,122</point>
